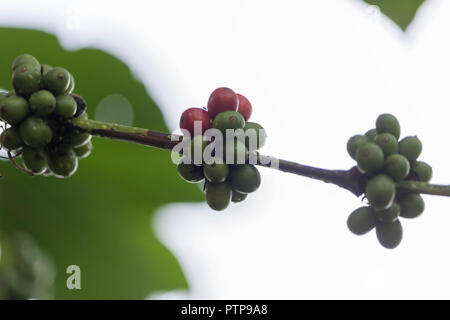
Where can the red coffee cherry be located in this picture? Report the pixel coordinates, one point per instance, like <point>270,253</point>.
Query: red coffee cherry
<point>191,115</point>
<point>245,107</point>
<point>222,99</point>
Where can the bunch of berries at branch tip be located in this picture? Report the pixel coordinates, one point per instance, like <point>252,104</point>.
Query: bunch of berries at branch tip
<point>222,150</point>
<point>385,161</point>
<point>37,114</point>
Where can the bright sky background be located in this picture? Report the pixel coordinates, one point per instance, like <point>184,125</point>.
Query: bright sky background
<point>316,72</point>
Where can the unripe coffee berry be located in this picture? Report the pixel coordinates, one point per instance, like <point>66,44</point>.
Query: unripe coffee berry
<point>389,234</point>
<point>244,178</point>
<point>218,195</point>
<point>237,196</point>
<point>380,191</point>
<point>370,158</point>
<point>35,160</point>
<point>361,221</point>
<point>371,134</point>
<point>387,142</point>
<point>10,139</point>
<point>355,142</point>
<point>190,173</point>
<point>222,99</point>
<point>410,147</point>
<point>397,167</point>
<point>35,132</point>
<point>411,205</point>
<point>255,136</point>
<point>423,171</point>
<point>14,109</point>
<point>228,120</point>
<point>216,172</point>
<point>57,80</point>
<point>388,215</point>
<point>27,79</point>
<point>388,123</point>
<point>42,103</point>
<point>66,106</point>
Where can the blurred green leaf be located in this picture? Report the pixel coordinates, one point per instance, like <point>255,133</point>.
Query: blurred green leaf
<point>402,12</point>
<point>100,219</point>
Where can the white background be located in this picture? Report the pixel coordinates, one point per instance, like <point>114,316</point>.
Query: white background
<point>316,72</point>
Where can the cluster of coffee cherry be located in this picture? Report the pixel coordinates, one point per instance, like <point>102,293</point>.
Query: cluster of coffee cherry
<point>227,174</point>
<point>386,161</point>
<point>36,115</point>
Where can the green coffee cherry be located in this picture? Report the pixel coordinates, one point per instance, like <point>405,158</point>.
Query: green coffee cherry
<point>14,109</point>
<point>84,151</point>
<point>79,139</point>
<point>244,178</point>
<point>35,132</point>
<point>354,143</point>
<point>218,195</point>
<point>35,160</point>
<point>388,123</point>
<point>190,172</point>
<point>423,170</point>
<point>411,205</point>
<point>410,147</point>
<point>235,152</point>
<point>388,215</point>
<point>253,130</point>
<point>390,234</point>
<point>397,166</point>
<point>387,142</point>
<point>45,68</point>
<point>380,191</point>
<point>228,120</point>
<point>26,80</point>
<point>66,106</point>
<point>237,196</point>
<point>10,139</point>
<point>63,162</point>
<point>371,134</point>
<point>370,158</point>
<point>198,145</point>
<point>57,80</point>
<point>83,116</point>
<point>42,103</point>
<point>25,59</point>
<point>216,172</point>
<point>361,221</point>
<point>3,95</point>
<point>71,86</point>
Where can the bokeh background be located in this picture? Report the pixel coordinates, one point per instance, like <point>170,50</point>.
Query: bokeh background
<point>316,73</point>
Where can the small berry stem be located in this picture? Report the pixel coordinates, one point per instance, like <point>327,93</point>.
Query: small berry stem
<point>351,179</point>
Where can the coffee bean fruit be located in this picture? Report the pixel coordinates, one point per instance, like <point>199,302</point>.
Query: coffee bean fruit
<point>388,215</point>
<point>244,178</point>
<point>218,195</point>
<point>26,80</point>
<point>63,162</point>
<point>235,152</point>
<point>244,107</point>
<point>355,142</point>
<point>45,68</point>
<point>380,191</point>
<point>65,106</point>
<point>370,158</point>
<point>361,221</point>
<point>228,120</point>
<point>35,132</point>
<point>13,110</point>
<point>387,142</point>
<point>79,139</point>
<point>397,167</point>
<point>42,103</point>
<point>410,147</point>
<point>192,116</point>
<point>84,151</point>
<point>255,136</point>
<point>371,134</point>
<point>388,123</point>
<point>423,171</point>
<point>216,172</point>
<point>222,99</point>
<point>25,59</point>
<point>190,172</point>
<point>198,145</point>
<point>389,234</point>
<point>10,139</point>
<point>35,160</point>
<point>411,205</point>
<point>71,86</point>
<point>237,196</point>
<point>57,80</point>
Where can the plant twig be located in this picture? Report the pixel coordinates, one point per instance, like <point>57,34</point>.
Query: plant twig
<point>351,180</point>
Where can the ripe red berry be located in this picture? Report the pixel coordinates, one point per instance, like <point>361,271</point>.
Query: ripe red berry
<point>192,115</point>
<point>222,99</point>
<point>245,107</point>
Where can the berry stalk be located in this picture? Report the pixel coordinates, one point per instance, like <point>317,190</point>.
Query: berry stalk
<point>351,180</point>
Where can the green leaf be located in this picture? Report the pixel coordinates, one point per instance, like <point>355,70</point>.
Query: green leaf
<point>100,219</point>
<point>402,12</point>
